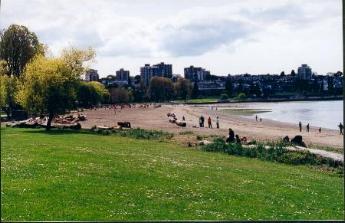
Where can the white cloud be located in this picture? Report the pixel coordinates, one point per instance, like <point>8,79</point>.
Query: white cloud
<point>225,36</point>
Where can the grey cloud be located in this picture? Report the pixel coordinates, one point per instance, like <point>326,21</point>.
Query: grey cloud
<point>200,37</point>
<point>291,14</point>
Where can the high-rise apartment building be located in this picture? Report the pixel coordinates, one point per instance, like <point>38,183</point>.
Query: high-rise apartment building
<point>196,74</point>
<point>160,70</point>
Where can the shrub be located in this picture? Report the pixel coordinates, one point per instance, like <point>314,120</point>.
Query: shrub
<point>224,97</point>
<point>186,133</point>
<point>198,137</point>
<point>145,134</point>
<point>218,145</point>
<point>275,153</point>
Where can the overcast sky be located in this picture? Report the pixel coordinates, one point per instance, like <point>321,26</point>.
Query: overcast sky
<point>224,36</point>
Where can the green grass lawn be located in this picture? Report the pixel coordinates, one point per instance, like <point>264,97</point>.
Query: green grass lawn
<point>81,176</point>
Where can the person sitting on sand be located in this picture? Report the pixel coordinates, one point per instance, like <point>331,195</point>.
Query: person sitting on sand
<point>217,122</point>
<point>209,122</point>
<point>231,137</point>
<point>238,140</point>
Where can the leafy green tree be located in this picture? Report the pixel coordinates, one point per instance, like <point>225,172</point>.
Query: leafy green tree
<point>228,87</point>
<point>241,96</point>
<point>8,88</point>
<point>160,89</point>
<point>17,46</point>
<point>224,97</point>
<point>119,95</point>
<point>183,88</point>
<point>92,93</point>
<point>49,85</point>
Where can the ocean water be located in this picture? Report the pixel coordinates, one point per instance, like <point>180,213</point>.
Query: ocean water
<point>325,114</point>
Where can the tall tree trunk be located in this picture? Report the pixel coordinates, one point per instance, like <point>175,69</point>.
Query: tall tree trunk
<point>49,122</point>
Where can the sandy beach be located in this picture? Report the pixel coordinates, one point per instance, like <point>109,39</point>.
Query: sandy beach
<point>155,117</point>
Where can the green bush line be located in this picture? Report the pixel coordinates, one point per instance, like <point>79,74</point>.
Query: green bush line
<point>276,153</point>
<point>137,133</point>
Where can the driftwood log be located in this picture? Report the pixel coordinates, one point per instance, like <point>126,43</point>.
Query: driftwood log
<point>181,124</point>
<point>124,124</point>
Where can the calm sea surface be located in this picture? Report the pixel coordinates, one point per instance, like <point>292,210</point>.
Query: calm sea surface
<point>325,114</point>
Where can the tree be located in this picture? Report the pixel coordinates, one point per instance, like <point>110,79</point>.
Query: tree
<point>338,74</point>
<point>17,46</point>
<point>195,91</point>
<point>160,89</point>
<point>49,85</point>
<point>119,95</point>
<point>8,87</point>
<point>92,93</point>
<point>183,88</point>
<point>293,73</point>
<point>228,87</point>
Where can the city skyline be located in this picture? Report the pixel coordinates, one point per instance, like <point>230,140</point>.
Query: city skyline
<point>222,36</point>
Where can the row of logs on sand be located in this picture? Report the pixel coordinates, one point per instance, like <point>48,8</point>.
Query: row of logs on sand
<point>120,125</point>
<point>61,121</point>
<point>173,119</point>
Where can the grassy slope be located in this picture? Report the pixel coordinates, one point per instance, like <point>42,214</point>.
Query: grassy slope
<point>87,177</point>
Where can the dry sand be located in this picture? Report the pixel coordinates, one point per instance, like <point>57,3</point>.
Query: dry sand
<point>156,118</point>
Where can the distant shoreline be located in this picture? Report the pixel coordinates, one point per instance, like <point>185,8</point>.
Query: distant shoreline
<point>249,100</point>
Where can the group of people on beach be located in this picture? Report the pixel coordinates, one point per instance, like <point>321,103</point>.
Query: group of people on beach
<point>123,106</point>
<point>341,128</point>
<point>257,118</point>
<point>209,122</point>
<point>235,138</point>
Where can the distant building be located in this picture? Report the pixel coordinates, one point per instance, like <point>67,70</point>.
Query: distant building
<point>196,73</point>
<point>122,75</point>
<point>91,75</point>
<point>304,72</point>
<point>160,70</point>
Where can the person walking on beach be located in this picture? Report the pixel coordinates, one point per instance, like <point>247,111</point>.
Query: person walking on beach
<point>231,137</point>
<point>300,126</point>
<point>320,130</point>
<point>308,127</point>
<point>209,122</point>
<point>202,121</point>
<point>217,122</point>
<point>341,127</point>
